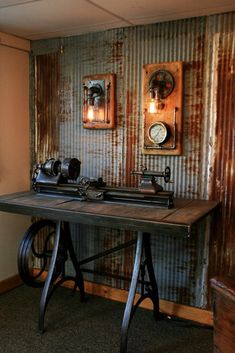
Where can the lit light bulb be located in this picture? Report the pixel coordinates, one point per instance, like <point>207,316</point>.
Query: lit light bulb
<point>152,106</point>
<point>101,115</point>
<point>90,113</point>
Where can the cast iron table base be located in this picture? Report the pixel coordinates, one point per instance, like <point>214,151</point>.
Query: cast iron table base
<point>56,272</point>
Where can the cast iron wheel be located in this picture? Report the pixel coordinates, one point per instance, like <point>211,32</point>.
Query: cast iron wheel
<point>35,252</point>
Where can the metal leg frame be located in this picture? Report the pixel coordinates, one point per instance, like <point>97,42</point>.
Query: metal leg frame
<point>147,291</point>
<point>79,282</point>
<point>149,288</point>
<point>44,296</point>
<point>47,292</point>
<point>58,259</point>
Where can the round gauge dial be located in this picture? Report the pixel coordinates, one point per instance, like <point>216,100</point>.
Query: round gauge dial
<point>158,133</point>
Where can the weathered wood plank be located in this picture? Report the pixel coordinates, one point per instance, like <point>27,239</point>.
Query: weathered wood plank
<point>192,212</point>
<point>39,200</point>
<point>122,210</point>
<point>114,215</point>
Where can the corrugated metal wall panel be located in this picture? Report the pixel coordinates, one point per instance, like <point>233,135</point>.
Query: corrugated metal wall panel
<point>222,177</point>
<point>162,43</point>
<point>180,265</point>
<point>47,106</point>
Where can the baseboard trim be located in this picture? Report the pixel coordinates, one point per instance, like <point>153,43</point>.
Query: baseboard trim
<point>201,316</point>
<point>10,283</point>
<point>170,308</point>
<point>186,312</point>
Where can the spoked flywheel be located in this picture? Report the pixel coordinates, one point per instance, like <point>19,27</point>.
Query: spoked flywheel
<point>35,252</point>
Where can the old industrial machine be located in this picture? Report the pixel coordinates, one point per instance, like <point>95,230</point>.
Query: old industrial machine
<point>47,245</point>
<point>56,177</point>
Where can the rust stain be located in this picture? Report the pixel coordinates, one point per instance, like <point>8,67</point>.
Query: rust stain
<point>223,181</point>
<point>66,93</point>
<point>194,72</point>
<point>121,144</point>
<point>116,263</point>
<point>117,52</point>
<point>194,130</point>
<point>131,138</point>
<point>192,65</point>
<point>47,103</point>
<point>114,158</point>
<point>184,293</point>
<point>108,263</point>
<point>200,43</point>
<point>116,56</point>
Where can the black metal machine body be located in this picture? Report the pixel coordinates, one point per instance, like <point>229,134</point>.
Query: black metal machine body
<point>55,177</point>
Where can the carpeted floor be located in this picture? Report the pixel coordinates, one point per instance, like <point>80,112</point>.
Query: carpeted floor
<point>90,327</point>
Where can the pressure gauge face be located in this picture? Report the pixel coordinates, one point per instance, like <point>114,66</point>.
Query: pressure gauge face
<point>158,133</point>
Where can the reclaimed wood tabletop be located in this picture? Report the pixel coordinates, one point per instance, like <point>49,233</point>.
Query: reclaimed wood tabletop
<point>148,218</point>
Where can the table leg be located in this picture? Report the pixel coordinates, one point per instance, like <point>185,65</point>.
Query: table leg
<point>153,291</point>
<point>131,296</point>
<point>148,289</point>
<point>79,282</point>
<point>49,279</point>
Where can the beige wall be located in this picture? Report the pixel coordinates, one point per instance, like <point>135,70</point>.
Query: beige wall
<point>14,143</point>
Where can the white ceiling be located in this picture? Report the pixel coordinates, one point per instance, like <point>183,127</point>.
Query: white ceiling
<point>37,19</point>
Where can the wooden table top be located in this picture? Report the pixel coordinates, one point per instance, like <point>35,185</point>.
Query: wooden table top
<point>136,217</point>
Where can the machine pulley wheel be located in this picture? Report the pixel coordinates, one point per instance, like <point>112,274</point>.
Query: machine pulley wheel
<point>35,252</point>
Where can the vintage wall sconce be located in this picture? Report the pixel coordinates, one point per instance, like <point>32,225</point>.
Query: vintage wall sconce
<point>162,96</point>
<point>99,101</point>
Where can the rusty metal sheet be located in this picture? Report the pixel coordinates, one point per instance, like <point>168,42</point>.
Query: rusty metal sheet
<point>206,168</point>
<point>222,178</point>
<point>46,106</point>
